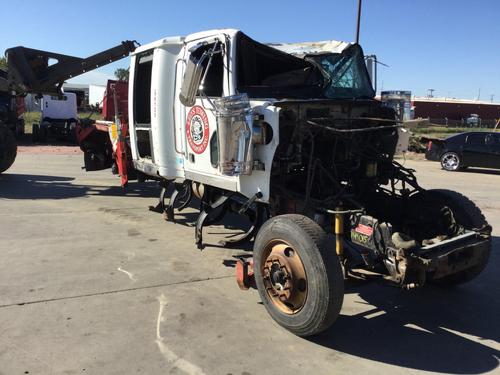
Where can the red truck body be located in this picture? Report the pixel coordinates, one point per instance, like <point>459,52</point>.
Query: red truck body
<point>108,107</point>
<point>94,138</point>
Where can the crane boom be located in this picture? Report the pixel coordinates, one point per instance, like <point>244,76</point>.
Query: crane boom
<point>30,71</point>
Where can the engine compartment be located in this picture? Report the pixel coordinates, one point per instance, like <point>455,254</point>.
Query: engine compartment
<point>339,155</point>
<point>332,151</point>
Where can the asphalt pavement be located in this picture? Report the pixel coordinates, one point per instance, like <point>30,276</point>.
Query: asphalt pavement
<point>92,282</point>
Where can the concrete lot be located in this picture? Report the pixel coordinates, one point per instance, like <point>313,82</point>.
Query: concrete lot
<point>93,283</point>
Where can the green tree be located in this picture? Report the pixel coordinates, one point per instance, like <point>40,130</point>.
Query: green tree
<point>122,74</point>
<point>3,63</point>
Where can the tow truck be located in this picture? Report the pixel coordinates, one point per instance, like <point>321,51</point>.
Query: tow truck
<point>30,71</point>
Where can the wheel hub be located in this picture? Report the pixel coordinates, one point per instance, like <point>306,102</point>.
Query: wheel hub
<point>284,277</point>
<point>279,277</point>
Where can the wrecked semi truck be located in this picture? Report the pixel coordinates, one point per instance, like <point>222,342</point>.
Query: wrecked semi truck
<point>290,137</point>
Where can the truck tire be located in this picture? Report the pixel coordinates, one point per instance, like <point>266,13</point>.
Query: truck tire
<point>35,133</point>
<point>470,216</point>
<point>71,137</point>
<point>298,274</point>
<point>20,130</point>
<point>42,134</point>
<point>8,148</point>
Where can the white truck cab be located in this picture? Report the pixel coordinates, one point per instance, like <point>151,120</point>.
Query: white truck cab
<point>59,107</point>
<point>59,118</point>
<point>177,141</point>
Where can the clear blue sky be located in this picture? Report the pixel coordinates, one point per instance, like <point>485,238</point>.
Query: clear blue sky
<point>452,46</point>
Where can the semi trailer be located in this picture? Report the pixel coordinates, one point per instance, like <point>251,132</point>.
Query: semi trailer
<point>290,137</point>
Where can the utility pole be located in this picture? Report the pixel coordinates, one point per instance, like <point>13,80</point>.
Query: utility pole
<point>491,97</point>
<point>372,66</point>
<point>359,21</point>
<point>430,93</point>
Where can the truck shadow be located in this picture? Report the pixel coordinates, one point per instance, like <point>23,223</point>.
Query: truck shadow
<point>431,329</point>
<point>27,186</point>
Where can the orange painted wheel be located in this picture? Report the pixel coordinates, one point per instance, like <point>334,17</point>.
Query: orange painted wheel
<point>298,274</point>
<point>285,278</point>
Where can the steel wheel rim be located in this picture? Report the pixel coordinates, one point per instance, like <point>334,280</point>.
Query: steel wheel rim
<point>284,277</point>
<point>450,161</point>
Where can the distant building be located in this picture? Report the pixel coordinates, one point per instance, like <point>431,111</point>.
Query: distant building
<point>443,110</point>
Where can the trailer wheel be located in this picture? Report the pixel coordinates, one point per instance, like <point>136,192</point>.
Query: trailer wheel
<point>470,216</point>
<point>298,274</point>
<point>8,148</point>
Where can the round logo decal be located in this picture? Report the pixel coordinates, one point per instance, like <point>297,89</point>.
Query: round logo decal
<point>197,129</point>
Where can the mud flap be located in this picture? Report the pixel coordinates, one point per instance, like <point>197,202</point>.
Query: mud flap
<point>95,161</point>
<point>96,147</point>
<point>122,155</point>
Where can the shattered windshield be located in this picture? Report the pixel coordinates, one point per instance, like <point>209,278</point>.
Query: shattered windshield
<point>345,74</point>
<point>266,72</point>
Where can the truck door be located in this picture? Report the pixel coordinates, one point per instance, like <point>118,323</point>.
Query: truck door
<point>200,119</point>
<point>142,105</point>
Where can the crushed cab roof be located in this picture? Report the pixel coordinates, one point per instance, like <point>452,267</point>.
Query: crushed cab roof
<point>298,49</point>
<point>311,48</point>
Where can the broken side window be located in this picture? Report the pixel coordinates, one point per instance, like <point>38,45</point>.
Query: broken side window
<point>263,71</point>
<point>213,85</point>
<point>142,88</point>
